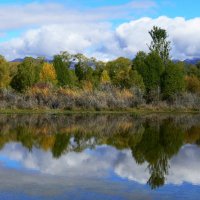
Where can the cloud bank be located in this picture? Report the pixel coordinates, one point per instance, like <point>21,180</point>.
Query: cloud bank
<point>101,41</point>
<point>48,28</point>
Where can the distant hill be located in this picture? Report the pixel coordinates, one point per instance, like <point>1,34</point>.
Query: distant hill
<point>21,60</point>
<point>192,61</point>
<point>17,60</point>
<point>188,61</point>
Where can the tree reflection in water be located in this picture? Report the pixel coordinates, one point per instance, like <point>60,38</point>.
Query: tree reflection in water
<point>152,139</point>
<point>157,145</point>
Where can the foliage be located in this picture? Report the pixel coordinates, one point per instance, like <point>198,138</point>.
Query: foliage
<point>28,73</point>
<point>136,80</point>
<point>84,69</point>
<point>4,73</point>
<point>48,74</point>
<point>150,67</point>
<point>194,71</point>
<point>159,43</point>
<point>61,64</point>
<point>192,84</point>
<point>139,62</point>
<point>120,72</point>
<point>105,78</point>
<point>173,80</point>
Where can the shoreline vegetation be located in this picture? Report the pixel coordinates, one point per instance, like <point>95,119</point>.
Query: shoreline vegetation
<point>135,112</point>
<point>151,82</point>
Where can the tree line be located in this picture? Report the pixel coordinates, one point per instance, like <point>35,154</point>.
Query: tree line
<point>154,75</point>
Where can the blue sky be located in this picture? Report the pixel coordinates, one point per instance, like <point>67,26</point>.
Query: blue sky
<point>170,8</point>
<point>24,22</point>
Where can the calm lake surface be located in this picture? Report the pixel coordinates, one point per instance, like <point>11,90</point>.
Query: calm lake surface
<point>99,157</point>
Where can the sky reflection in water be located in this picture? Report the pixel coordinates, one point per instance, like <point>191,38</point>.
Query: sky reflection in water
<point>100,165</point>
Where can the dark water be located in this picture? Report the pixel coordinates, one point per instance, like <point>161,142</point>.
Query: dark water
<point>117,157</point>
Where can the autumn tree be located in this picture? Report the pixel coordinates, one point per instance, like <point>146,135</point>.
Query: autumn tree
<point>4,73</point>
<point>105,78</point>
<point>119,72</point>
<point>48,74</point>
<point>193,70</point>
<point>192,84</point>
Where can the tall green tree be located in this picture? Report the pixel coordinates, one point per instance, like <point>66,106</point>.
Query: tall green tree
<point>28,73</point>
<point>61,64</point>
<point>173,80</point>
<point>81,67</point>
<point>139,61</point>
<point>88,69</point>
<point>150,67</point>
<point>159,43</point>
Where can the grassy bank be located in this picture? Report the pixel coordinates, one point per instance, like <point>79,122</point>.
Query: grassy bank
<point>136,111</point>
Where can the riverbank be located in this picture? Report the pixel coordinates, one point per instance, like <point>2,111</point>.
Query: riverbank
<point>113,100</point>
<point>127,111</point>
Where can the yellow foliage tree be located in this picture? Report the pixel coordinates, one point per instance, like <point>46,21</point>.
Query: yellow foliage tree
<point>48,74</point>
<point>192,84</point>
<point>4,73</point>
<point>105,78</point>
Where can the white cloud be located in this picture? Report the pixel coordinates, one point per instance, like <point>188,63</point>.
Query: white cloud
<point>16,16</point>
<point>184,35</point>
<point>100,40</point>
<point>184,167</point>
<point>50,40</point>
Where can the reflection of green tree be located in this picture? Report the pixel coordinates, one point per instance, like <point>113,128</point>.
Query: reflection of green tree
<point>157,146</point>
<point>124,138</point>
<point>83,139</point>
<point>61,143</point>
<point>25,136</point>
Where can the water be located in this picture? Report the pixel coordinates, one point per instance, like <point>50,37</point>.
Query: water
<point>109,157</point>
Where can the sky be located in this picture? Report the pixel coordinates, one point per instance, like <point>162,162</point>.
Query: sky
<point>97,28</point>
